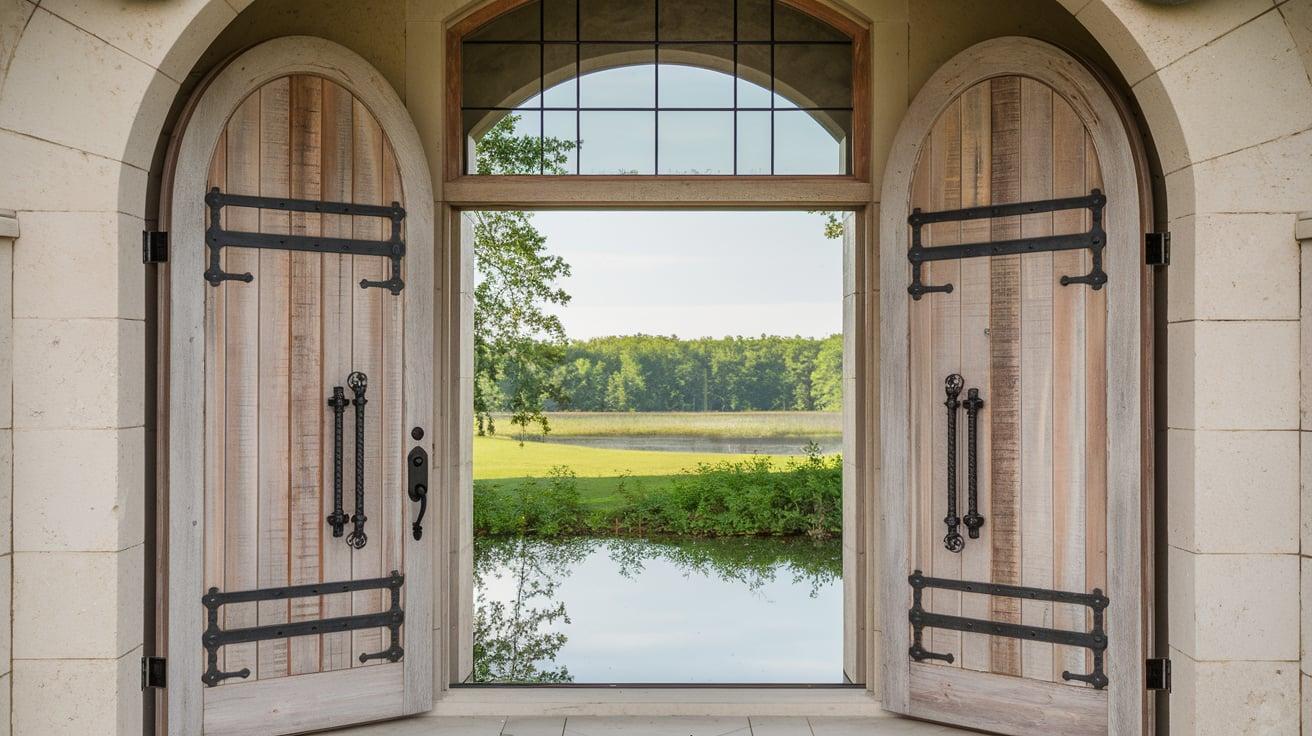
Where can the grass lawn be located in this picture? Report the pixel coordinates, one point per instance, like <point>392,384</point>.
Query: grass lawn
<point>689,424</point>
<point>599,470</point>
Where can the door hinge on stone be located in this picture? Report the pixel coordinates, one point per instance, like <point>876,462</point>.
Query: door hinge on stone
<point>154,672</point>
<point>1157,249</point>
<point>154,246</point>
<point>1158,674</point>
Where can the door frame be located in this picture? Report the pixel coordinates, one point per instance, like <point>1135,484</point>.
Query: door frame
<point>182,334</point>
<point>1129,346</point>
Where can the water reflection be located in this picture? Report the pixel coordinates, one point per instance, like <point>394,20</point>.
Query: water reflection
<point>671,610</point>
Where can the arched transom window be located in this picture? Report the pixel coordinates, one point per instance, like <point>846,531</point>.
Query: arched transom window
<point>671,87</point>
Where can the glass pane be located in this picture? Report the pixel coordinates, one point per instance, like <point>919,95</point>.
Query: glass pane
<point>560,20</point>
<point>696,20</point>
<point>696,75</point>
<point>753,143</point>
<point>811,142</point>
<point>520,24</point>
<point>754,75</point>
<point>499,75</point>
<point>818,75</point>
<point>617,142</point>
<point>561,75</point>
<point>560,147</point>
<point>791,24</point>
<point>754,20</point>
<point>618,75</point>
<point>695,143</point>
<point>488,139</point>
<point>608,20</point>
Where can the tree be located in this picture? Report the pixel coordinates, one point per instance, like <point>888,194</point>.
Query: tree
<point>517,343</point>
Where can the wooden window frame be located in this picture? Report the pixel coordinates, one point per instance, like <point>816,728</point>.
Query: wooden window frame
<point>741,189</point>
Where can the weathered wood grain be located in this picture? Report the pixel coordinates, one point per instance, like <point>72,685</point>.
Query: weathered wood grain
<point>216,386</point>
<point>338,291</point>
<point>1036,374</point>
<point>241,474</point>
<point>1068,366</point>
<point>945,359</point>
<point>976,161</point>
<point>1004,369</point>
<point>306,387</point>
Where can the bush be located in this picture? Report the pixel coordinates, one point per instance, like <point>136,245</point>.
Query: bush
<point>751,497</point>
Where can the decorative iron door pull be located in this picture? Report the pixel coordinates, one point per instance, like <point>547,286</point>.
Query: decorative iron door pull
<point>973,520</point>
<point>337,519</point>
<point>418,462</point>
<point>358,382</point>
<point>952,386</point>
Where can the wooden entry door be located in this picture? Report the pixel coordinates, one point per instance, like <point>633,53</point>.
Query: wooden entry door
<point>299,591</point>
<point>1014,443</point>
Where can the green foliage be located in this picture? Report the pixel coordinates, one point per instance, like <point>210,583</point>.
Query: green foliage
<point>659,373</point>
<point>728,498</point>
<point>517,344</point>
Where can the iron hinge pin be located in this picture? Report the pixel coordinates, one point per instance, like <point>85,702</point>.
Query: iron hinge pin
<point>1158,674</point>
<point>154,673</point>
<point>1157,249</point>
<point>154,246</point>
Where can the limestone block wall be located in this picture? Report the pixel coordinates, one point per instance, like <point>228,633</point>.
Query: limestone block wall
<point>8,233</point>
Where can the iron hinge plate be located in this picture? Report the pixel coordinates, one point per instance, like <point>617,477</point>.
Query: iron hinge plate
<point>154,673</point>
<point>154,246</point>
<point>1158,674</point>
<point>1157,249</point>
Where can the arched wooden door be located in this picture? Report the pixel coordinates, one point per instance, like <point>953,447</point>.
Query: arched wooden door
<point>1014,442</point>
<point>299,583</point>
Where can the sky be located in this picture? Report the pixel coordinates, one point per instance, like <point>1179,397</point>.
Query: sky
<point>697,274</point>
<point>690,274</point>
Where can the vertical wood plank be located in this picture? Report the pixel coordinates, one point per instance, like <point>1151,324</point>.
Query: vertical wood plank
<point>306,387</point>
<point>976,159</point>
<point>1068,384</point>
<point>392,527</point>
<point>215,401</point>
<point>241,470</point>
<point>274,372</point>
<point>1095,417</point>
<point>921,387</point>
<point>1004,369</point>
<point>945,314</point>
<point>366,351</point>
<point>1036,374</point>
<point>338,290</point>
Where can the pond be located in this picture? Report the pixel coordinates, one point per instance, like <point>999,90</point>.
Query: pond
<point>787,445</point>
<point>738,610</point>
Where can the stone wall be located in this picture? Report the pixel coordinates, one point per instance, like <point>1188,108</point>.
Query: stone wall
<point>1221,85</point>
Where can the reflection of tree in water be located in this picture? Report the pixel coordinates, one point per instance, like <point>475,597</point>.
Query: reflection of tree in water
<point>751,561</point>
<point>514,642</point>
<point>518,640</point>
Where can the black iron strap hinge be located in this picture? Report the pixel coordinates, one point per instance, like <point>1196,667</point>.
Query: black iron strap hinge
<point>154,673</point>
<point>1094,239</point>
<point>217,237</point>
<point>1157,249</point>
<point>1157,674</point>
<point>154,246</point>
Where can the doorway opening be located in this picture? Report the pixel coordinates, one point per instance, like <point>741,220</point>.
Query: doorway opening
<point>658,468</point>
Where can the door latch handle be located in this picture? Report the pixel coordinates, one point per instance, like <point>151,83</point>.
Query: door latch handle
<point>337,519</point>
<point>418,490</point>
<point>952,387</point>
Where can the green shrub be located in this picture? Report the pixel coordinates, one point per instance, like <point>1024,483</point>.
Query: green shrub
<point>731,498</point>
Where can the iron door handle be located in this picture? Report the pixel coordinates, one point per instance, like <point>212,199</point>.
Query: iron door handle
<point>952,386</point>
<point>973,519</point>
<point>359,383</point>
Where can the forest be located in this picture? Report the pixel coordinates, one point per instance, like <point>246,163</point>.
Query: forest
<point>643,373</point>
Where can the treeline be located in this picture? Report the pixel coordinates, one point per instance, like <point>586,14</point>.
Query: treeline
<point>658,373</point>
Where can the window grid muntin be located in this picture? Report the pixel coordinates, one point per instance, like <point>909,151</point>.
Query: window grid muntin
<point>578,42</point>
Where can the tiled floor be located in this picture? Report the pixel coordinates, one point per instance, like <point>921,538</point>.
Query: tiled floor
<point>641,726</point>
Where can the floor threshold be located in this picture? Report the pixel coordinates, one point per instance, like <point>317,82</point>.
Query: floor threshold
<point>884,725</point>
